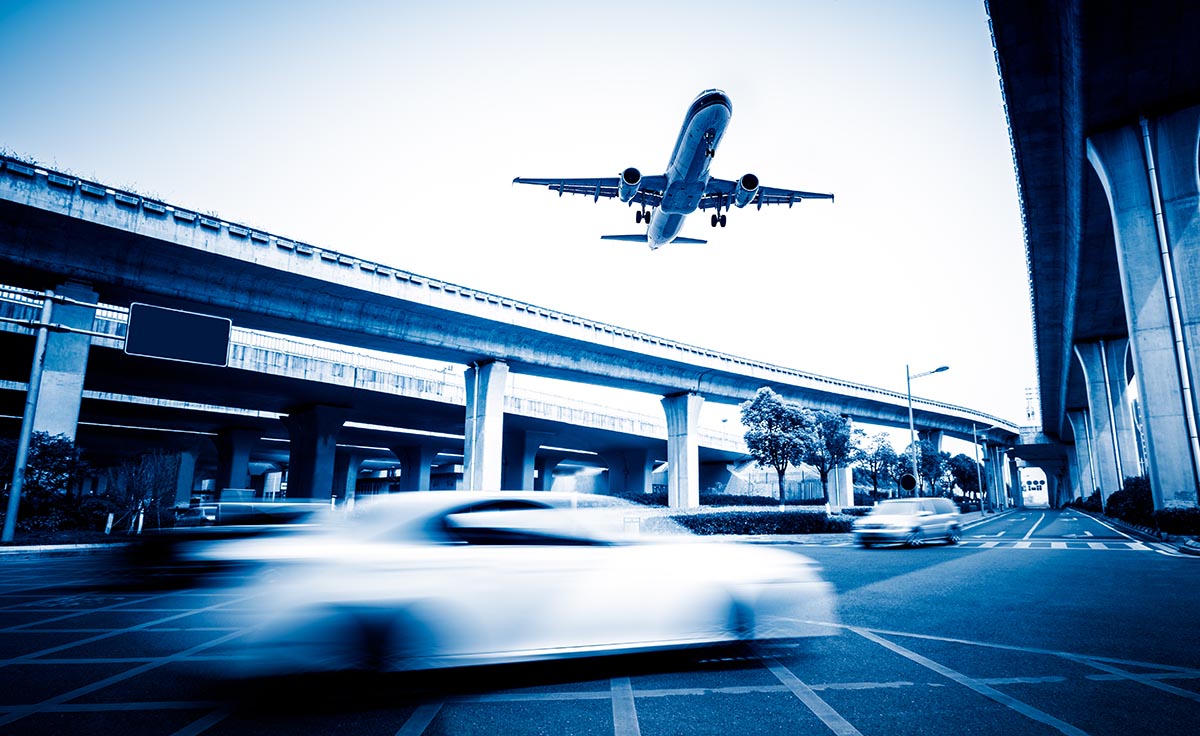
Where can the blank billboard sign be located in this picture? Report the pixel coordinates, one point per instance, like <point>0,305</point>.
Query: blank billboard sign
<point>172,334</point>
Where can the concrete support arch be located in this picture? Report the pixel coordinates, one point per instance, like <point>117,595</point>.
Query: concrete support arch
<point>1149,175</point>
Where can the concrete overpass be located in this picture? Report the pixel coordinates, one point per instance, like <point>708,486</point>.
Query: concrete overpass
<point>1103,105</point>
<point>98,243</point>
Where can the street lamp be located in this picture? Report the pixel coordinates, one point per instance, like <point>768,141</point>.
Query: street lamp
<point>912,432</point>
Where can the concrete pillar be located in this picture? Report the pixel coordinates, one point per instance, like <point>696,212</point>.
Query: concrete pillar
<point>841,487</point>
<point>683,449</point>
<point>1159,259</point>
<point>233,457</point>
<point>61,387</point>
<point>312,432</point>
<point>1124,428</point>
<point>416,461</point>
<point>185,477</point>
<point>933,437</point>
<point>545,466</point>
<point>520,451</point>
<point>629,471</point>
<point>1082,428</point>
<point>1018,492</point>
<point>345,474</point>
<point>483,458</point>
<point>1073,480</point>
<point>1106,459</point>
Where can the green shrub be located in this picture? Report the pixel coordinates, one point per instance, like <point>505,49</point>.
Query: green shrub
<point>765,522</point>
<point>1133,503</point>
<point>1179,521</point>
<point>1091,503</point>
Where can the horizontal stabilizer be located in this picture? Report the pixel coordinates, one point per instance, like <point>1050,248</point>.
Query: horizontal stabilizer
<point>643,239</point>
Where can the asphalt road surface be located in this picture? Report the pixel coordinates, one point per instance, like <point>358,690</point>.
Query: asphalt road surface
<point>1040,622</point>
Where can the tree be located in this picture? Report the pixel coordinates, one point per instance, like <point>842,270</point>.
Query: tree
<point>829,447</point>
<point>876,456</point>
<point>776,431</point>
<point>51,469</point>
<point>966,474</point>
<point>145,484</point>
<point>932,466</point>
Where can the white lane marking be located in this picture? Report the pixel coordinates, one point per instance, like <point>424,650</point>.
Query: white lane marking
<point>201,725</point>
<point>1141,679</point>
<point>1137,546</point>
<point>1033,528</point>
<point>1097,545</point>
<point>805,694</point>
<point>1023,545</point>
<point>625,720</point>
<point>420,720</point>
<point>988,544</point>
<point>969,682</point>
<point>1058,545</point>
<point>1110,528</point>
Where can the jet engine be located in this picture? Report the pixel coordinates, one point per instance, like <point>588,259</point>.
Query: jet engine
<point>747,187</point>
<point>631,179</point>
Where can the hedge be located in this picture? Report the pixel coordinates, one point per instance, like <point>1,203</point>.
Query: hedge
<point>763,522</point>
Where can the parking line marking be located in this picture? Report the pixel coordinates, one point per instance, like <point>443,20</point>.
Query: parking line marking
<point>1141,679</point>
<point>969,682</point>
<point>202,724</point>
<point>420,719</point>
<point>625,720</point>
<point>805,694</point>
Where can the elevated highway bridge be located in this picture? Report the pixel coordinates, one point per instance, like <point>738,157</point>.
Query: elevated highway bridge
<point>95,243</point>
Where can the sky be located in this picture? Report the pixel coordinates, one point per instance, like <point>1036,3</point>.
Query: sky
<point>392,131</point>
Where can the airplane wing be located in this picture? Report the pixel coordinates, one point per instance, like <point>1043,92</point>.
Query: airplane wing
<point>719,193</point>
<point>650,193</point>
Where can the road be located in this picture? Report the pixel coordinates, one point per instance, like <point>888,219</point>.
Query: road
<point>1040,622</point>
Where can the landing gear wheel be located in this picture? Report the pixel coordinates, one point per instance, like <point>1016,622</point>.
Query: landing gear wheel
<point>714,220</point>
<point>637,217</point>
<point>722,220</point>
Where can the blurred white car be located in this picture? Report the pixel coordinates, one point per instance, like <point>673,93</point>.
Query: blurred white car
<point>438,579</point>
<point>910,521</point>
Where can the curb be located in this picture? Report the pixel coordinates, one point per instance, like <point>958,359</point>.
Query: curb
<point>64,549</point>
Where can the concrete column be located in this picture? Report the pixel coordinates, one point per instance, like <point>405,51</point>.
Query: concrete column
<point>483,458</point>
<point>841,487</point>
<point>933,437</point>
<point>233,458</point>
<point>1081,426</point>
<point>1107,461</point>
<point>683,449</point>
<point>520,450</point>
<point>1158,259</point>
<point>545,466</point>
<point>345,474</point>
<point>312,432</point>
<point>416,461</point>
<point>1072,474</point>
<point>61,387</point>
<point>629,471</point>
<point>1124,429</point>
<point>1018,492</point>
<point>185,477</point>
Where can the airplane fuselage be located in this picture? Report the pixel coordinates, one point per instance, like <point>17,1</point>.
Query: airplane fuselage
<point>687,172</point>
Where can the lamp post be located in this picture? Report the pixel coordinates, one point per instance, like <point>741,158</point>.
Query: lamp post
<point>978,472</point>
<point>912,432</point>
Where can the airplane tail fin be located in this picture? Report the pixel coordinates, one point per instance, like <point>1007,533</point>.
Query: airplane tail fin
<point>642,239</point>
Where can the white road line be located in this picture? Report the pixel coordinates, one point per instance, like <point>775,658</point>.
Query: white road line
<point>1097,545</point>
<point>420,720</point>
<point>1137,546</point>
<point>1141,679</point>
<point>988,544</point>
<point>805,694</point>
<point>1058,545</point>
<point>1023,545</point>
<point>625,720</point>
<point>201,725</point>
<point>1033,528</point>
<point>988,692</point>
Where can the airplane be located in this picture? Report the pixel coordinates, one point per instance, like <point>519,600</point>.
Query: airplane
<point>686,186</point>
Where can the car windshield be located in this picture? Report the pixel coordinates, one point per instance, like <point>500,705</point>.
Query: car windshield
<point>897,508</point>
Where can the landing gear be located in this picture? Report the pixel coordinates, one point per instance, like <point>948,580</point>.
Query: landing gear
<point>641,215</point>
<point>717,220</point>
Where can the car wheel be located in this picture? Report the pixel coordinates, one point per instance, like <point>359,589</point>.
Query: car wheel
<point>914,538</point>
<point>955,535</point>
<point>741,621</point>
<point>866,545</point>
